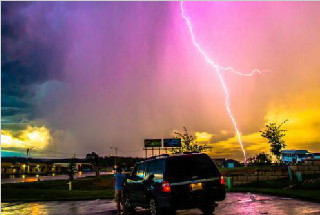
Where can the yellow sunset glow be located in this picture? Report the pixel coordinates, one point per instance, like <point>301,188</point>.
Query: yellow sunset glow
<point>7,140</point>
<point>203,136</point>
<point>302,129</point>
<point>30,137</point>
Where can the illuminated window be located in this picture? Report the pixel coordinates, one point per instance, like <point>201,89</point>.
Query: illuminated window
<point>140,171</point>
<point>156,168</point>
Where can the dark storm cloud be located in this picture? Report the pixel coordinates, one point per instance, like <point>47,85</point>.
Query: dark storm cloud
<point>55,54</point>
<point>26,58</point>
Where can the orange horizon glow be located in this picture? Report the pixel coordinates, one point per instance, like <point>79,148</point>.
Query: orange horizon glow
<point>38,137</point>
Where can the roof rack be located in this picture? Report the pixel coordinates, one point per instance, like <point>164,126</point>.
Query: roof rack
<point>158,156</point>
<point>187,153</point>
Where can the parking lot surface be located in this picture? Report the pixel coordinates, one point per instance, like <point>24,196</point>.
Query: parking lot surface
<point>234,204</point>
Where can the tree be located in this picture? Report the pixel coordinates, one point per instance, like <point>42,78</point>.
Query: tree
<point>275,135</point>
<point>92,157</point>
<point>260,159</point>
<point>188,143</point>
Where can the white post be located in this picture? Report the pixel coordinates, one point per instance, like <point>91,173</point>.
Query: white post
<point>70,185</point>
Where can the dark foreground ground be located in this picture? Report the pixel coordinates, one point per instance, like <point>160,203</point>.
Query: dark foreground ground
<point>235,204</point>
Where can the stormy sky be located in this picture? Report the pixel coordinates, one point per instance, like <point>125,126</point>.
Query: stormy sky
<point>78,77</point>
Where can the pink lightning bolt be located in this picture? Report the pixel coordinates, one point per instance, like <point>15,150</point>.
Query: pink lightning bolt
<point>218,70</point>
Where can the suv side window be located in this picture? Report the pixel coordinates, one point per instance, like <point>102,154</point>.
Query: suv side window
<point>140,171</point>
<point>155,167</point>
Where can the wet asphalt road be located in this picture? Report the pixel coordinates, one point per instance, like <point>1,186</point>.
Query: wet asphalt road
<point>235,204</point>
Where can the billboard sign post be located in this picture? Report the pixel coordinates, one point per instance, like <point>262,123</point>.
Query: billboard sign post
<point>151,144</point>
<point>172,142</point>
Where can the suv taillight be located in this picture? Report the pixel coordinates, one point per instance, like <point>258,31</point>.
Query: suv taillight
<point>166,187</point>
<point>221,180</point>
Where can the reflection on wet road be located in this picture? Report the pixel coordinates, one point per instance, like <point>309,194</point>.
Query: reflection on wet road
<point>235,204</point>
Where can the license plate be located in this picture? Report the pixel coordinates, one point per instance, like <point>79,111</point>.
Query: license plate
<point>196,186</point>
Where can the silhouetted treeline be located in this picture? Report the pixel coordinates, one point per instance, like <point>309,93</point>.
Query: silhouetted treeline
<point>93,158</point>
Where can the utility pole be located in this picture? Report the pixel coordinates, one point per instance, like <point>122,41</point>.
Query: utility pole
<point>116,152</point>
<point>28,151</point>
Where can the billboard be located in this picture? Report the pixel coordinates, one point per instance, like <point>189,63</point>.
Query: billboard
<point>172,142</point>
<point>152,143</point>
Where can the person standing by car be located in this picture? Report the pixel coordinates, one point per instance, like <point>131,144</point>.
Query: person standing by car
<point>120,180</point>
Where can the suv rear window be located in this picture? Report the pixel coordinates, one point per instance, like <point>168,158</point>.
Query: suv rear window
<point>188,167</point>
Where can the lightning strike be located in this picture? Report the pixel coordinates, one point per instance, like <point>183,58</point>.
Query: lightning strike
<point>218,69</point>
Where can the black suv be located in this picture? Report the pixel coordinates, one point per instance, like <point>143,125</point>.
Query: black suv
<point>169,183</point>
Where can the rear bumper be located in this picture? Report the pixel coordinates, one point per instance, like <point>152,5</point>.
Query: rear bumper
<point>190,200</point>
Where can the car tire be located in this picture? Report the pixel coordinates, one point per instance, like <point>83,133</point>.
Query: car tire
<point>154,208</point>
<point>128,204</point>
<point>208,208</point>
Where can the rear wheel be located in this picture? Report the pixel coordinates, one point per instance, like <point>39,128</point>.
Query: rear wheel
<point>128,204</point>
<point>208,208</point>
<point>155,210</point>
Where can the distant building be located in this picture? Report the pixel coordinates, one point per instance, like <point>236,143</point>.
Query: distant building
<point>231,163</point>
<point>41,168</point>
<point>226,163</point>
<point>92,156</point>
<point>316,156</point>
<point>79,167</point>
<point>294,156</point>
<point>29,168</point>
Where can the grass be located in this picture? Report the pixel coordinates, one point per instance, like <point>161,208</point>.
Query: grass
<point>82,189</point>
<point>307,190</point>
